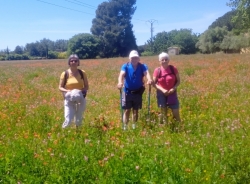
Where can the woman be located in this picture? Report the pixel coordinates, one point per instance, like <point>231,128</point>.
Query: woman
<point>167,79</point>
<point>74,85</point>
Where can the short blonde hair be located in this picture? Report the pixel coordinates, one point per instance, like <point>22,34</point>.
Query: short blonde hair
<point>163,55</point>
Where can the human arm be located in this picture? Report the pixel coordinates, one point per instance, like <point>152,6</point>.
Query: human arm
<point>86,83</point>
<point>158,87</point>
<point>120,79</point>
<point>61,84</point>
<point>176,84</point>
<point>149,79</point>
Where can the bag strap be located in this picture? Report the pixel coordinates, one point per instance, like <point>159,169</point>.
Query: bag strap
<point>66,76</point>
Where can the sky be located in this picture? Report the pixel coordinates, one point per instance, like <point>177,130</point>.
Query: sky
<point>27,21</point>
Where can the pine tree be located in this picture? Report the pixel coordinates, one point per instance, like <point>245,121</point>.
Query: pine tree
<point>113,26</point>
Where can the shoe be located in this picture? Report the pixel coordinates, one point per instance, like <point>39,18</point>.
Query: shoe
<point>133,126</point>
<point>124,127</point>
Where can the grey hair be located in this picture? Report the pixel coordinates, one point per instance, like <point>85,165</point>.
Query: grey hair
<point>75,57</point>
<point>163,55</point>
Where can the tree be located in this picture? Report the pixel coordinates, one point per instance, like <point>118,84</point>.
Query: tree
<point>84,45</point>
<point>8,53</point>
<point>18,50</point>
<point>210,40</point>
<point>61,45</point>
<point>113,26</point>
<point>225,20</point>
<point>242,16</point>
<point>44,46</point>
<point>32,49</point>
<point>183,38</point>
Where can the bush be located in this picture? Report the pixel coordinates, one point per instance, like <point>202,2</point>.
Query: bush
<point>147,53</point>
<point>62,55</point>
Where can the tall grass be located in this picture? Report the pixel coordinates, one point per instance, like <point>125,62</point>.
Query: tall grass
<point>212,145</point>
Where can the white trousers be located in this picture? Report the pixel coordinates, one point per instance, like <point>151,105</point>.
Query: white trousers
<point>73,110</point>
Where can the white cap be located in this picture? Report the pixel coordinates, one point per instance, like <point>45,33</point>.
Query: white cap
<point>163,55</point>
<point>133,53</point>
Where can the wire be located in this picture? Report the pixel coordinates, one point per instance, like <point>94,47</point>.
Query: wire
<point>85,4</point>
<point>92,7</point>
<point>80,4</point>
<point>64,7</point>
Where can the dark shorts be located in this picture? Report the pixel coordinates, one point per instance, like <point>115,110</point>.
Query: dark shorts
<point>162,101</point>
<point>131,101</point>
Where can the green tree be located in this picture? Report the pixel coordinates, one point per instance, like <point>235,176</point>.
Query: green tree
<point>225,20</point>
<point>234,43</point>
<point>61,45</point>
<point>183,38</point>
<point>113,26</point>
<point>32,49</point>
<point>44,46</point>
<point>18,50</point>
<point>210,40</point>
<point>85,45</point>
<point>242,17</point>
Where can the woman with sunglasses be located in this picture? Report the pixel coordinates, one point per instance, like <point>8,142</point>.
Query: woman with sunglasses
<point>74,85</point>
<point>167,79</point>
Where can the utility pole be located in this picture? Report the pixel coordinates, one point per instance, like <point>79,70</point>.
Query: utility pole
<point>151,30</point>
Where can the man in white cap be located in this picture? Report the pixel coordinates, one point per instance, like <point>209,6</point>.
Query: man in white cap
<point>131,78</point>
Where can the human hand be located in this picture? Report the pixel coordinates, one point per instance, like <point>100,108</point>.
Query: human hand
<point>165,92</point>
<point>119,85</point>
<point>171,90</point>
<point>149,82</point>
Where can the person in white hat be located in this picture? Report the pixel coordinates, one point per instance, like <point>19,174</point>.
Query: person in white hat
<point>74,85</point>
<point>166,79</point>
<point>131,80</point>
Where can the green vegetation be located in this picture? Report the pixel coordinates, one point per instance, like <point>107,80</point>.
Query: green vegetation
<point>212,145</point>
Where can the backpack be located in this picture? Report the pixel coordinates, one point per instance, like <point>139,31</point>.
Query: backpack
<point>66,76</point>
<point>172,72</point>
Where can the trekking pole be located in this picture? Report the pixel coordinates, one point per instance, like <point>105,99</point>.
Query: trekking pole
<point>149,92</point>
<point>121,110</point>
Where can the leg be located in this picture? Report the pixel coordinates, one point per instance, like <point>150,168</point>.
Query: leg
<point>80,108</point>
<point>176,114</point>
<point>126,105</point>
<point>177,119</point>
<point>163,115</point>
<point>135,115</point>
<point>162,104</point>
<point>69,112</point>
<point>137,104</point>
<point>126,118</point>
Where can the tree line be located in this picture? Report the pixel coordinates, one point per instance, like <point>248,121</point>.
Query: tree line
<point>112,36</point>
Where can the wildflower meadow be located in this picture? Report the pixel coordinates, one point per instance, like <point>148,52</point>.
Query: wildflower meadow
<point>211,145</point>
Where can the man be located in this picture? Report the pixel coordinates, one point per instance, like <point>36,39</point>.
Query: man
<point>132,74</point>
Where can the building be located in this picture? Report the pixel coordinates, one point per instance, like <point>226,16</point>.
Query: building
<point>173,50</point>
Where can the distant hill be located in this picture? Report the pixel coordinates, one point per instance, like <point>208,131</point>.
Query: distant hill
<point>225,20</point>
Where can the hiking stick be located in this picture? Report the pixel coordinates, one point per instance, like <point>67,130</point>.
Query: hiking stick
<point>149,92</point>
<point>121,110</point>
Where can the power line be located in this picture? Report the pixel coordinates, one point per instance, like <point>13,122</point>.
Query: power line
<point>85,4</point>
<point>80,4</point>
<point>64,7</point>
<point>90,6</point>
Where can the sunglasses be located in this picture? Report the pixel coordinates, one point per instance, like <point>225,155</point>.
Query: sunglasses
<point>75,61</point>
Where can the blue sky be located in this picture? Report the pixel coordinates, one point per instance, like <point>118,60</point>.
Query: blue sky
<point>26,21</point>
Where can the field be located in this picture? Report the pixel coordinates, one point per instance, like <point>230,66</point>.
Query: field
<point>212,146</point>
